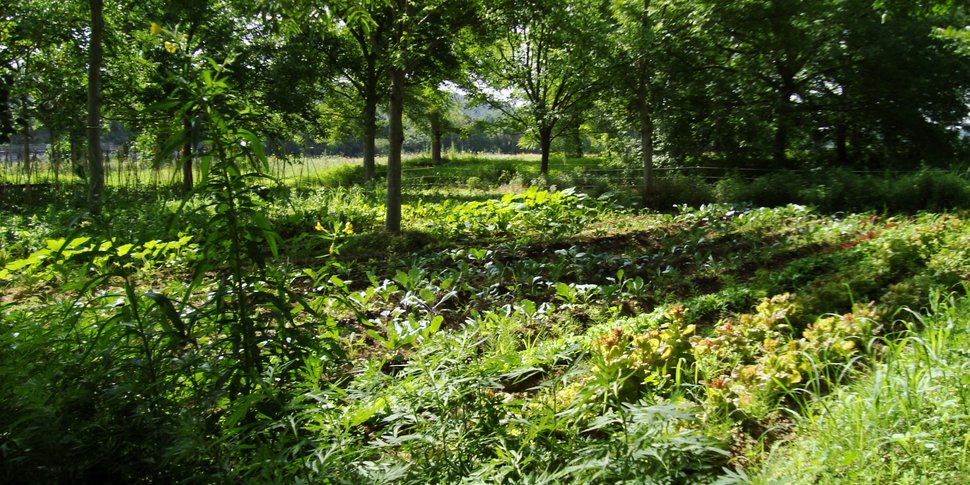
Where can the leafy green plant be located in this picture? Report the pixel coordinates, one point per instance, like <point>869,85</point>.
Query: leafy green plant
<point>901,423</point>
<point>555,213</point>
<point>626,365</point>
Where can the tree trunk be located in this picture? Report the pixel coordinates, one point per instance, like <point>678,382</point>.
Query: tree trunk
<point>645,114</point>
<point>27,167</point>
<point>55,157</point>
<point>435,139</point>
<point>545,145</point>
<point>783,115</point>
<point>646,147</point>
<point>6,116</point>
<point>370,132</point>
<point>74,141</point>
<point>371,99</point>
<point>396,113</point>
<point>780,142</point>
<point>95,56</point>
<point>187,175</point>
<point>578,138</point>
<point>841,144</point>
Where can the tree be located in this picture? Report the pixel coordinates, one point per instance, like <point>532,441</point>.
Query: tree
<point>788,82</point>
<point>212,26</point>
<point>433,108</point>
<point>95,57</point>
<point>543,64</point>
<point>635,56</point>
<point>426,38</point>
<point>903,89</point>
<point>60,94</point>
<point>38,68</point>
<point>358,54</point>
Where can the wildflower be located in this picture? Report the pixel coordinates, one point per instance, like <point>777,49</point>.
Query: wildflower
<point>170,47</point>
<point>318,227</point>
<point>155,29</point>
<point>348,228</point>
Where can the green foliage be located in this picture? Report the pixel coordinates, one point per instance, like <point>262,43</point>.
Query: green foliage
<point>539,337</point>
<point>552,213</point>
<point>901,423</point>
<point>681,189</point>
<point>57,261</point>
<point>650,359</point>
<point>829,190</point>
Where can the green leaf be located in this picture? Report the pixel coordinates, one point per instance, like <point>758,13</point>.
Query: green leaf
<point>269,234</point>
<point>174,323</point>
<point>364,411</point>
<point>435,325</point>
<point>165,105</point>
<point>124,249</point>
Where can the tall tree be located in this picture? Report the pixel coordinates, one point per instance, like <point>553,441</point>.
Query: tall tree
<point>904,89</point>
<point>95,58</point>
<point>635,60</point>
<point>786,82</point>
<point>37,65</point>
<point>360,57</point>
<point>426,39</point>
<point>543,64</point>
<point>433,107</point>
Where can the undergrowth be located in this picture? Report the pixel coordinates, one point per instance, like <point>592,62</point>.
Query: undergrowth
<point>905,422</point>
<point>538,336</point>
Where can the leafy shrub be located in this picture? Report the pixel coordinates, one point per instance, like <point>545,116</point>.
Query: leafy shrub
<point>772,190</point>
<point>751,334</point>
<point>638,362</point>
<point>929,190</point>
<point>757,360</point>
<point>345,176</point>
<point>537,210</point>
<point>903,423</point>
<point>838,189</point>
<point>681,189</point>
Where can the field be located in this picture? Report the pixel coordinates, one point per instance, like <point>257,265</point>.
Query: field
<point>515,332</point>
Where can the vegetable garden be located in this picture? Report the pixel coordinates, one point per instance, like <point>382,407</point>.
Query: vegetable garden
<point>517,335</point>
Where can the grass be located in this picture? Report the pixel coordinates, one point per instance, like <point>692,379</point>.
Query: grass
<point>905,422</point>
<point>121,172</point>
<point>830,190</point>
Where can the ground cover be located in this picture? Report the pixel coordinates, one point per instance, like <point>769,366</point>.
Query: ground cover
<point>519,335</point>
<point>905,422</point>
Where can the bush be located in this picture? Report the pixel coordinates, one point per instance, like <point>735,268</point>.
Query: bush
<point>902,424</point>
<point>772,190</point>
<point>839,189</point>
<point>681,189</point>
<point>928,190</point>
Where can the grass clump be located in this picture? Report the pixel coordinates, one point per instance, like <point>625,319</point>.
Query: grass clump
<point>903,423</point>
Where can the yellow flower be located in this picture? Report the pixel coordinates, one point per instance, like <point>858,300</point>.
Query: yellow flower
<point>348,228</point>
<point>170,47</point>
<point>155,29</point>
<point>318,227</point>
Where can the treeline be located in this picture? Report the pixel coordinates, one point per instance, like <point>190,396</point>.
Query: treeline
<point>783,83</point>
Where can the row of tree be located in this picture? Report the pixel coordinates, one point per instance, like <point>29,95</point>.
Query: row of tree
<point>778,83</point>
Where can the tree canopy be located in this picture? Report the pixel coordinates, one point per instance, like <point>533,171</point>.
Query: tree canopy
<point>779,84</point>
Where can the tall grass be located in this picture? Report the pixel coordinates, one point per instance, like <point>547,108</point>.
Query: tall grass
<point>904,423</point>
